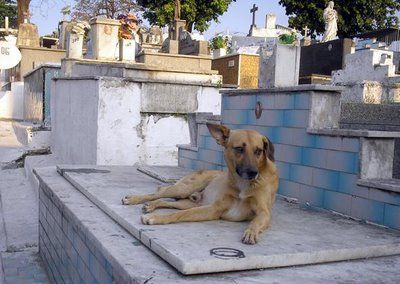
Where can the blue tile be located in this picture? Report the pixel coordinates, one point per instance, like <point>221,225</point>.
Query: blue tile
<point>337,202</point>
<point>267,100</point>
<point>392,216</point>
<point>301,174</point>
<point>287,153</point>
<point>270,118</point>
<point>211,156</point>
<point>351,144</point>
<point>328,142</point>
<point>284,101</point>
<point>239,102</point>
<point>342,161</point>
<point>367,209</point>
<point>302,101</point>
<point>211,144</point>
<point>314,157</point>
<point>299,137</point>
<point>312,196</point>
<point>348,184</point>
<point>325,179</point>
<point>384,196</point>
<point>235,117</point>
<point>283,169</point>
<point>296,118</point>
<point>288,188</point>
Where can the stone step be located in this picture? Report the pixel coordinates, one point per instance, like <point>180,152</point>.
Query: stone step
<point>388,185</point>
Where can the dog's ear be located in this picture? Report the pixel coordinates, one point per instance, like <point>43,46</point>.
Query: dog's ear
<point>269,149</point>
<point>219,132</point>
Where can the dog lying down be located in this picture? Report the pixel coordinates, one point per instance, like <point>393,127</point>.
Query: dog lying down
<point>245,192</point>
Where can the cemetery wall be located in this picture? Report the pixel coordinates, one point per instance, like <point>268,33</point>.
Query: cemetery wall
<point>37,93</point>
<point>114,121</point>
<point>33,57</point>
<point>318,170</point>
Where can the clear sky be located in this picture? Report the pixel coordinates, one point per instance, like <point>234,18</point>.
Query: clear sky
<point>46,14</point>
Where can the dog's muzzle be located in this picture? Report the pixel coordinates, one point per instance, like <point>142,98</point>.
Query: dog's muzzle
<point>248,174</point>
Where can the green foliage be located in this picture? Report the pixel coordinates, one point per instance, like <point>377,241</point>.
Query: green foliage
<point>287,39</point>
<point>8,8</point>
<point>198,13</point>
<point>219,42</point>
<point>355,16</point>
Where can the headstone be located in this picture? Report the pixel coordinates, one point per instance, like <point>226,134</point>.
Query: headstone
<point>323,58</point>
<point>279,66</point>
<point>75,34</point>
<point>190,46</point>
<point>369,76</point>
<point>62,31</point>
<point>270,21</point>
<point>28,35</point>
<point>155,35</point>
<point>127,50</point>
<point>104,38</point>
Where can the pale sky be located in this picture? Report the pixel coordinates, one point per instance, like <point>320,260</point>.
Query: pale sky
<point>46,14</point>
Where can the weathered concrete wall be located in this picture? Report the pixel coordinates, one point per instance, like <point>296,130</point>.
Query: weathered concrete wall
<point>12,102</point>
<point>74,115</point>
<point>127,121</point>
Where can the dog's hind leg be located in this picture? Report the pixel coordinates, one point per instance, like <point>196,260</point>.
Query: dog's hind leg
<point>182,204</point>
<point>183,188</point>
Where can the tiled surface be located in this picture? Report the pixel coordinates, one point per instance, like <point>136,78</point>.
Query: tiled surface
<point>317,169</point>
<point>67,253</point>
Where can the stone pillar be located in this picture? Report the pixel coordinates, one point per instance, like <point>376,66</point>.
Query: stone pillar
<point>270,21</point>
<point>62,42</point>
<point>104,38</point>
<point>279,66</point>
<point>127,50</point>
<point>74,45</point>
<point>28,35</point>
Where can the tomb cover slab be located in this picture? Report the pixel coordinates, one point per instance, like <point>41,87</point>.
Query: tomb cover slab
<point>297,236</point>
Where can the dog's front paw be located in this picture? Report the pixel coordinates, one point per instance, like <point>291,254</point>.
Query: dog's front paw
<point>148,207</point>
<point>147,219</point>
<point>250,237</point>
<point>130,200</point>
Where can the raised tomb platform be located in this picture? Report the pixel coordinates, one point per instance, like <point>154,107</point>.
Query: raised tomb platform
<point>115,113</point>
<point>326,174</point>
<point>87,235</point>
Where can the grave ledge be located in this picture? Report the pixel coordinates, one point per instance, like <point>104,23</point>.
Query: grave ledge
<point>354,133</point>
<point>299,88</point>
<point>136,80</point>
<point>142,65</point>
<point>391,185</point>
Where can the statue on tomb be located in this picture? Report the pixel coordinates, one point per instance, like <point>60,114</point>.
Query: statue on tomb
<point>129,26</point>
<point>177,10</point>
<point>330,19</point>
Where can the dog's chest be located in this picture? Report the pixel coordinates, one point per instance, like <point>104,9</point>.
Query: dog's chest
<point>239,211</point>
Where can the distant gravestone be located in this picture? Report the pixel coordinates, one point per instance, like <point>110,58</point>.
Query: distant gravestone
<point>323,58</point>
<point>10,55</point>
<point>28,35</point>
<point>190,46</point>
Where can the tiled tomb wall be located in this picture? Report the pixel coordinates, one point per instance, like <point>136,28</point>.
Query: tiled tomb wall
<point>318,170</point>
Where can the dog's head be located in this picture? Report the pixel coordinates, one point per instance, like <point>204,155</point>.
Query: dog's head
<point>246,151</point>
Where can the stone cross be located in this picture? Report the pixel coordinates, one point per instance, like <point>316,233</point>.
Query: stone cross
<point>253,11</point>
<point>305,29</point>
<point>177,10</point>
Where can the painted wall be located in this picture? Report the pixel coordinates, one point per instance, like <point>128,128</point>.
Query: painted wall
<point>318,170</point>
<point>12,102</point>
<point>112,121</point>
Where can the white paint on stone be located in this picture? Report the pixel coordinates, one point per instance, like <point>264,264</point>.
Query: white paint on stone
<point>12,102</point>
<point>376,158</point>
<point>74,45</point>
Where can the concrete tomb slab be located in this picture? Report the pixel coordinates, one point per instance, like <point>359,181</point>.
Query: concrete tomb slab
<point>297,236</point>
<point>167,174</point>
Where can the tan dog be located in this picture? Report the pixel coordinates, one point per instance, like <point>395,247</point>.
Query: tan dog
<point>246,192</point>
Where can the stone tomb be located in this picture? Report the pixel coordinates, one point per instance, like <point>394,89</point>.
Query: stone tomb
<point>299,236</point>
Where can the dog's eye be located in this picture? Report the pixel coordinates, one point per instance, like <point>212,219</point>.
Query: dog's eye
<point>258,152</point>
<point>239,150</point>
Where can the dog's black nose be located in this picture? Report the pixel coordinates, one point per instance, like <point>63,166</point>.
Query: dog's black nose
<point>251,174</point>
